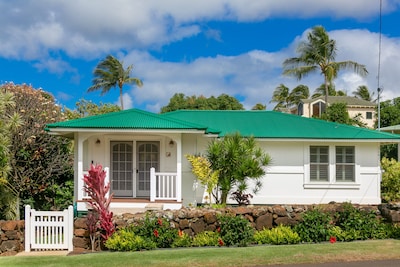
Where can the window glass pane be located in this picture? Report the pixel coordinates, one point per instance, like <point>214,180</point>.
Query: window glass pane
<point>345,164</point>
<point>319,163</point>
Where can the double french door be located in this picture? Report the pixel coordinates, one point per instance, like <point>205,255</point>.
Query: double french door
<point>130,172</point>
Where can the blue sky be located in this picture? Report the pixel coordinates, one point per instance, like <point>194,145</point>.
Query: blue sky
<point>206,47</point>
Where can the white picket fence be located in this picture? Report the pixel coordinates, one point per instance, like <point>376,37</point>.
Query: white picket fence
<point>49,230</point>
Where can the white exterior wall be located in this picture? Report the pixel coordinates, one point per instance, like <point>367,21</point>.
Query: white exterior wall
<point>287,182</point>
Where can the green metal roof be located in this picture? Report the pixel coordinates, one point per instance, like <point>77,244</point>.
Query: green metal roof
<point>260,124</point>
<point>272,124</point>
<point>126,119</point>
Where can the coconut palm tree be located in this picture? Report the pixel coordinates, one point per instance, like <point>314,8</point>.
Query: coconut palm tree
<point>299,92</point>
<point>362,92</point>
<point>110,73</point>
<point>281,96</point>
<point>318,54</point>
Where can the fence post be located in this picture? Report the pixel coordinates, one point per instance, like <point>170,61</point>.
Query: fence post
<point>70,227</point>
<point>27,228</point>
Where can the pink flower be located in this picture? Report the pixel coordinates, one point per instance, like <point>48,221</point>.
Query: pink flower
<point>332,239</point>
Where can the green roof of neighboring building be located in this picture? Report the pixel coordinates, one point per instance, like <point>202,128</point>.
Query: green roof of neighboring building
<point>260,124</point>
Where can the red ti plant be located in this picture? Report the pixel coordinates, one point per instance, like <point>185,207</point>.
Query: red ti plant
<point>97,190</point>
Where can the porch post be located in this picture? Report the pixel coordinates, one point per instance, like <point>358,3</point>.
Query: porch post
<point>79,160</point>
<point>152,184</point>
<point>179,169</point>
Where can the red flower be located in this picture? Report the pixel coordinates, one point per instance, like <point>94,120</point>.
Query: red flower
<point>180,233</point>
<point>159,222</point>
<point>219,229</point>
<point>332,239</point>
<point>220,242</point>
<point>155,232</point>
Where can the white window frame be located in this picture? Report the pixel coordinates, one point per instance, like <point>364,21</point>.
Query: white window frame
<point>331,183</point>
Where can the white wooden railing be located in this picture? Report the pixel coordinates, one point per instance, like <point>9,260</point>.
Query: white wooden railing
<point>48,230</point>
<point>164,186</point>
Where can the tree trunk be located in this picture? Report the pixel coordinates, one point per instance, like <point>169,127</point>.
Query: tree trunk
<point>224,196</point>
<point>326,93</point>
<point>120,96</point>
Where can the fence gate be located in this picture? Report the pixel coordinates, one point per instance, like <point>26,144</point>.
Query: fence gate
<point>48,230</point>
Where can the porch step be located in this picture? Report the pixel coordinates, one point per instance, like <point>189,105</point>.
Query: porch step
<point>120,211</point>
<point>154,206</point>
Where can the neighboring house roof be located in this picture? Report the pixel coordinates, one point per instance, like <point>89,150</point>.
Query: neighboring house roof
<point>260,124</point>
<point>349,100</point>
<point>392,129</point>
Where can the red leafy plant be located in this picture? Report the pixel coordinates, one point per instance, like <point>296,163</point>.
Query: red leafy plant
<point>97,190</point>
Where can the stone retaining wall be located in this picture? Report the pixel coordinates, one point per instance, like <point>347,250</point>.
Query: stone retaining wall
<point>189,220</point>
<point>11,237</point>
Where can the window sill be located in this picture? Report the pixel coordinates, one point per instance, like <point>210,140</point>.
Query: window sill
<point>349,185</point>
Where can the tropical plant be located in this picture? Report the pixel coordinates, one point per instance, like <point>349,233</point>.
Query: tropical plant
<point>8,200</point>
<point>314,226</point>
<point>259,106</point>
<point>238,160</point>
<point>277,236</point>
<point>110,73</point>
<point>207,176</point>
<point>318,54</point>
<point>97,190</point>
<point>286,98</point>
<point>222,102</point>
<point>390,186</point>
<point>84,108</point>
<point>235,230</point>
<point>37,160</point>
<point>320,91</point>
<point>206,238</point>
<point>337,112</point>
<point>362,92</point>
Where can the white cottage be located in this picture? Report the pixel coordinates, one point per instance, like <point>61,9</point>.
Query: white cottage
<point>313,161</point>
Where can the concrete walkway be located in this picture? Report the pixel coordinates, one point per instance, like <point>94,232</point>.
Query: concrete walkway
<point>44,253</point>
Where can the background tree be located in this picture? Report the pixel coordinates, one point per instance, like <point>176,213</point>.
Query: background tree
<point>337,112</point>
<point>318,55</point>
<point>320,91</point>
<point>281,96</point>
<point>259,106</point>
<point>8,201</point>
<point>38,160</point>
<point>222,102</point>
<point>298,93</point>
<point>110,73</point>
<point>362,92</point>
<point>86,108</point>
<point>237,160</point>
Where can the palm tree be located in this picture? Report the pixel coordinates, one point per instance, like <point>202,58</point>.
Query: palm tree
<point>318,54</point>
<point>362,92</point>
<point>299,92</point>
<point>281,96</point>
<point>320,91</point>
<point>110,73</point>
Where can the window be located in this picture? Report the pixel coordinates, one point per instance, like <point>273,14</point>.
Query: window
<point>319,163</point>
<point>369,116</point>
<point>318,109</point>
<point>345,164</point>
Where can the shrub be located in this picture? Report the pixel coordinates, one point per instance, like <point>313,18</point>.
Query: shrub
<point>314,226</point>
<point>127,240</point>
<point>277,236</point>
<point>390,180</point>
<point>360,224</point>
<point>235,230</point>
<point>206,238</point>
<point>182,240</point>
<point>158,230</point>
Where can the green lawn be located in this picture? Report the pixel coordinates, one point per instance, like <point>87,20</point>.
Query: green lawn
<point>248,256</point>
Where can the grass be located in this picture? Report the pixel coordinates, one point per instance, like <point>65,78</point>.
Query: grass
<point>211,257</point>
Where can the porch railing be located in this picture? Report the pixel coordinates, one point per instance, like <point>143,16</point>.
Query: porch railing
<point>164,186</point>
